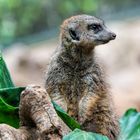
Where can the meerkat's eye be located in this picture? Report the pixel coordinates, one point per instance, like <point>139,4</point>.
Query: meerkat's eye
<point>95,27</point>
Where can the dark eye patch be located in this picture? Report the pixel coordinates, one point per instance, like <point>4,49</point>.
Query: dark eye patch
<point>95,27</point>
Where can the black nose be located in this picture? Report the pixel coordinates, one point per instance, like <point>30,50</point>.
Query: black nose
<point>113,35</point>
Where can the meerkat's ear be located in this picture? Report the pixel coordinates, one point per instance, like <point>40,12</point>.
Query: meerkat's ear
<point>74,34</point>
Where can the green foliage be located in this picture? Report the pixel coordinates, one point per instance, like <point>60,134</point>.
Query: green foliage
<point>8,108</point>
<point>83,135</point>
<point>69,7</point>
<point>11,118</point>
<point>5,79</point>
<point>9,97</point>
<point>71,123</point>
<point>130,125</point>
<point>9,101</point>
<point>8,114</point>
<point>19,18</point>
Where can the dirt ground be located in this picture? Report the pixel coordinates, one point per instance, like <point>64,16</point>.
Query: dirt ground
<point>121,59</point>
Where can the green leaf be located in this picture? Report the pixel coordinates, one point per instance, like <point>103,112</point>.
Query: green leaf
<point>11,95</point>
<point>5,78</point>
<point>130,125</point>
<point>4,107</point>
<point>9,102</point>
<point>83,135</point>
<point>11,118</point>
<point>71,123</point>
<point>8,114</point>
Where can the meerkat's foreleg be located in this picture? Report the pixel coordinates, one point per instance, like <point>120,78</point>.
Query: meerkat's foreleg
<point>95,115</point>
<point>86,105</point>
<point>59,98</point>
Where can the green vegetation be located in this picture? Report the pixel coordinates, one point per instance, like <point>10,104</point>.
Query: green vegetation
<point>71,123</point>
<point>5,79</point>
<point>25,17</point>
<point>9,97</point>
<point>83,135</point>
<point>9,102</point>
<point>130,125</point>
<point>20,18</point>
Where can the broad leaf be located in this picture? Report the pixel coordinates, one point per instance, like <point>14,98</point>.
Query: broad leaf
<point>83,135</point>
<point>5,78</point>
<point>130,125</point>
<point>9,101</point>
<point>11,118</point>
<point>71,123</point>
<point>11,95</point>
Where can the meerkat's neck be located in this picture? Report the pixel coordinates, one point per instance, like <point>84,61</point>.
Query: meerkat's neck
<point>76,55</point>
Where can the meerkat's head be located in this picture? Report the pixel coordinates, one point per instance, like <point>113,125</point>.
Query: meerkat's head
<point>85,30</point>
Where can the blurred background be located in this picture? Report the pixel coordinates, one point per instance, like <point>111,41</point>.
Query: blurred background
<point>29,33</point>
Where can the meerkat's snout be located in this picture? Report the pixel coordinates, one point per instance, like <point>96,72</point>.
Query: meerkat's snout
<point>104,36</point>
<point>113,36</point>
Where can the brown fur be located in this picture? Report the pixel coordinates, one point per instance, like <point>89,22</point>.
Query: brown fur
<point>75,80</point>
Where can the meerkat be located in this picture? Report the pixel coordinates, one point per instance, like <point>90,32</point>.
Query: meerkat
<point>75,79</point>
